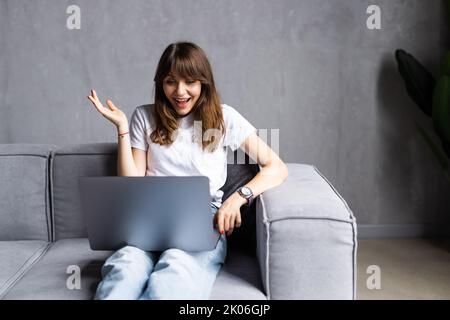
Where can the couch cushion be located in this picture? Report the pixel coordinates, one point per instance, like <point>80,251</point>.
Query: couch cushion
<point>47,279</point>
<point>68,163</point>
<point>16,258</point>
<point>239,279</point>
<point>24,197</point>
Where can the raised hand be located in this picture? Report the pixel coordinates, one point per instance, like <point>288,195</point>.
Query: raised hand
<point>113,114</point>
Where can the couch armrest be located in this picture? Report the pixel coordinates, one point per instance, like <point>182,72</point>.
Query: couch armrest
<point>306,238</point>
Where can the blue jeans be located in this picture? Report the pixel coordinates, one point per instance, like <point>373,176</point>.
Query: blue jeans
<point>132,274</point>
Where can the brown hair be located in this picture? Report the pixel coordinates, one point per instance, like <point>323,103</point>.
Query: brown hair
<point>186,60</point>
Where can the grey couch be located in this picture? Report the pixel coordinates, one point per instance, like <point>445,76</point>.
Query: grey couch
<point>297,241</point>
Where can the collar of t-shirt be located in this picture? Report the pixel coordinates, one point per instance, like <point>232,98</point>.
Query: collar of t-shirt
<point>187,121</point>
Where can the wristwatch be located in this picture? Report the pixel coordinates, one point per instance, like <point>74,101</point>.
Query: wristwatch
<point>246,193</point>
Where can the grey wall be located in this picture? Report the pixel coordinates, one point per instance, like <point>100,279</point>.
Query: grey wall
<point>310,68</point>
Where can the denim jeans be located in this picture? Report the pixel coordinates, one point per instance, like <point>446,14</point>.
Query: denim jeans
<point>132,274</point>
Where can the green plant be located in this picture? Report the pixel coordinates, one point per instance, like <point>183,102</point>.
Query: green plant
<point>433,98</point>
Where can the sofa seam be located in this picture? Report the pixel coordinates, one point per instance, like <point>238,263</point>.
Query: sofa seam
<point>354,228</point>
<point>24,268</point>
<point>84,154</point>
<point>266,223</point>
<point>352,216</point>
<point>47,200</point>
<point>52,217</point>
<point>354,264</point>
<point>24,155</point>
<point>353,224</point>
<point>311,218</point>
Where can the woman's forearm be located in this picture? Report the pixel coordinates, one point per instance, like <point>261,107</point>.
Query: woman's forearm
<point>125,161</point>
<point>268,177</point>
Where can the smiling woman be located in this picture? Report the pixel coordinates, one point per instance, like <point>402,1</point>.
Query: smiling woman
<point>182,94</point>
<point>185,94</point>
<point>184,72</point>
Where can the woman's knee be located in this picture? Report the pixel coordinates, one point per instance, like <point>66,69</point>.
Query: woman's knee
<point>129,258</point>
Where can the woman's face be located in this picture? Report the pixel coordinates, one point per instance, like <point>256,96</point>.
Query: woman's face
<point>182,93</point>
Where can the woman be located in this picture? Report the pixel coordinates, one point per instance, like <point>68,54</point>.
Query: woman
<point>185,132</point>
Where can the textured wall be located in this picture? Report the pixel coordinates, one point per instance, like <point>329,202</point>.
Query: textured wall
<point>308,67</point>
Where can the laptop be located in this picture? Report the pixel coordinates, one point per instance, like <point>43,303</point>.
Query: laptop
<point>153,213</point>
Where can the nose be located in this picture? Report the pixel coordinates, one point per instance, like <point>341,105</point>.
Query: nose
<point>181,88</point>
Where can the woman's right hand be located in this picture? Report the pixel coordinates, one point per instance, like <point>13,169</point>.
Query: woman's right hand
<point>113,114</point>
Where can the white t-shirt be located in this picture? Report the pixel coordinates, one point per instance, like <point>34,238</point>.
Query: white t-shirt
<point>184,157</point>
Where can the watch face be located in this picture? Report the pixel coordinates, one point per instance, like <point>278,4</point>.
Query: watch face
<point>246,191</point>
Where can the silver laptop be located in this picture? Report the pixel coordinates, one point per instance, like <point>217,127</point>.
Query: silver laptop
<point>151,213</point>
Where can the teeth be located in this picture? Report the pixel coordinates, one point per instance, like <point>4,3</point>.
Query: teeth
<point>184,100</point>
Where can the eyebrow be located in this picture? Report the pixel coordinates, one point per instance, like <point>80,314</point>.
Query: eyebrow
<point>169,75</point>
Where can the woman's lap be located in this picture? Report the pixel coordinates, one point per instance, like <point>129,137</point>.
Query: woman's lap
<point>131,273</point>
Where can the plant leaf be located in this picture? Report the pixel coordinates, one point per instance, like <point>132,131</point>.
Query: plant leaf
<point>441,110</point>
<point>441,157</point>
<point>418,80</point>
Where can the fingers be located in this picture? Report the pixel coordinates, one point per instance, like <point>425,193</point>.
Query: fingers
<point>227,222</point>
<point>230,225</point>
<point>94,99</point>
<point>93,96</point>
<point>238,221</point>
<point>111,105</point>
<point>220,221</point>
<point>215,220</point>
<point>98,105</point>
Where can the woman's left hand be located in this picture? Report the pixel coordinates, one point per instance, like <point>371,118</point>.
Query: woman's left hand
<point>228,216</point>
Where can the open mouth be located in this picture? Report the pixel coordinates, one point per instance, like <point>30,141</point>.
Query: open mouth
<point>182,103</point>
